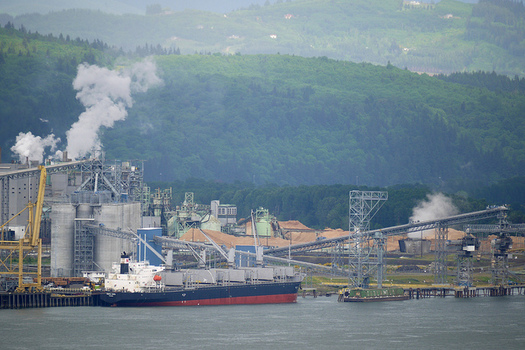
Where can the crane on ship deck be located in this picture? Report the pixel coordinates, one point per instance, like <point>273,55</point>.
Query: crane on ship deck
<point>12,261</point>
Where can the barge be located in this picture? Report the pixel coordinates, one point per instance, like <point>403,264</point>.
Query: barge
<point>367,295</point>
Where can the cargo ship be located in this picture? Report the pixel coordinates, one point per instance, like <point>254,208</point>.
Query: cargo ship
<point>140,284</point>
<point>366,295</point>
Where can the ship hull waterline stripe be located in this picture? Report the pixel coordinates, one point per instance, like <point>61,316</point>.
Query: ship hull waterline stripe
<point>259,299</point>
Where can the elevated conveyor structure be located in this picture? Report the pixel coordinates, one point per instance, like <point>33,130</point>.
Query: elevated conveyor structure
<point>392,231</point>
<point>92,230</point>
<point>377,236</point>
<point>173,243</point>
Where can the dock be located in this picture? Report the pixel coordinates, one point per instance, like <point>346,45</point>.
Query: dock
<point>79,297</point>
<point>47,299</point>
<point>465,292</point>
<point>309,291</point>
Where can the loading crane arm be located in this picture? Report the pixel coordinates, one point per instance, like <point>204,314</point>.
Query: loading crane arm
<point>29,242</point>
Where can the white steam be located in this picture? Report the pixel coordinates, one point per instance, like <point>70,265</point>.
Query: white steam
<point>29,147</point>
<point>436,206</point>
<point>106,94</point>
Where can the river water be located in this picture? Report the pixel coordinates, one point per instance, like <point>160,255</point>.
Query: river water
<point>320,323</point>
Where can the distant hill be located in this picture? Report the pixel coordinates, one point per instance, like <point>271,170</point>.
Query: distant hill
<point>448,36</point>
<point>20,7</point>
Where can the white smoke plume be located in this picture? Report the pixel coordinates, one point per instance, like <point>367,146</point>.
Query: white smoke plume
<point>436,206</point>
<point>31,147</point>
<point>106,94</point>
<point>143,76</point>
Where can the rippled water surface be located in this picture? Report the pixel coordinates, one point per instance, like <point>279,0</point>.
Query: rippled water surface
<point>321,323</point>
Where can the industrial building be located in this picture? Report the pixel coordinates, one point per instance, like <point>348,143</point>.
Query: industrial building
<point>80,196</point>
<point>226,213</point>
<point>414,246</point>
<point>96,210</point>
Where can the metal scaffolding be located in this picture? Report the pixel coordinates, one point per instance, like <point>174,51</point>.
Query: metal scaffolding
<point>83,242</point>
<point>337,257</point>
<point>464,271</point>
<point>123,179</point>
<point>440,263</point>
<point>500,269</point>
<point>465,248</point>
<point>363,206</point>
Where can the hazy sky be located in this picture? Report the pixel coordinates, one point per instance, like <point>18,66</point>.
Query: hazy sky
<point>19,7</point>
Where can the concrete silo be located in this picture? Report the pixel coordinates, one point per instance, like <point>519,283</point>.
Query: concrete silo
<point>98,194</point>
<point>62,234</point>
<point>114,216</point>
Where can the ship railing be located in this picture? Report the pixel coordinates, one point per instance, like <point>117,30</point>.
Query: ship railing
<point>150,289</point>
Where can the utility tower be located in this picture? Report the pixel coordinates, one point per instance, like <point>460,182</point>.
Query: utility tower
<point>363,206</point>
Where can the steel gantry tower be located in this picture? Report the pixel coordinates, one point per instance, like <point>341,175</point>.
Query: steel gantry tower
<point>440,262</point>
<point>500,246</point>
<point>363,205</point>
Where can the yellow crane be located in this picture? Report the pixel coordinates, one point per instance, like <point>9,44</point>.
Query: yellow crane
<point>18,250</point>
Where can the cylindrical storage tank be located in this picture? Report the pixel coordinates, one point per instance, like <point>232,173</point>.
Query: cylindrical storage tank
<point>114,216</point>
<point>62,235</point>
<point>264,228</point>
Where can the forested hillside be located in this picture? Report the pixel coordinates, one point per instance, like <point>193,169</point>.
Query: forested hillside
<point>443,37</point>
<point>275,118</point>
<point>253,130</point>
<point>291,120</point>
